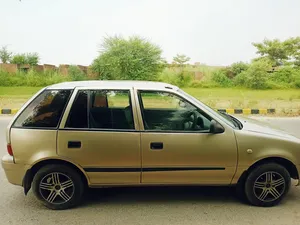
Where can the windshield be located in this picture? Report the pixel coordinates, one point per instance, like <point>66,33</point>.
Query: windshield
<point>226,118</point>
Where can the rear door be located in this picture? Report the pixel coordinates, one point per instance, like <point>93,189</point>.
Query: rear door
<point>100,135</point>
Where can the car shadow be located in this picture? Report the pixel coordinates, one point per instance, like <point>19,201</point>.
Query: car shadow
<point>161,194</point>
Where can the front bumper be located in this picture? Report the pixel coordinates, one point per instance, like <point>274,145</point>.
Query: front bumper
<point>14,172</point>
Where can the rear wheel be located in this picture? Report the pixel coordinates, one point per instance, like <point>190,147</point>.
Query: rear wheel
<point>267,184</point>
<point>58,186</point>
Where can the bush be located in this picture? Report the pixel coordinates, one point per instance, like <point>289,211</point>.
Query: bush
<point>285,75</point>
<point>32,78</point>
<point>75,73</point>
<point>184,79</point>
<point>176,77</point>
<point>257,75</point>
<point>220,78</point>
<point>134,58</point>
<point>241,79</point>
<point>204,84</point>
<point>238,67</point>
<point>296,84</point>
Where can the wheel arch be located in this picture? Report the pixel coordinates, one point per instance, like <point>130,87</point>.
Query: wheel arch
<point>290,167</point>
<point>27,180</point>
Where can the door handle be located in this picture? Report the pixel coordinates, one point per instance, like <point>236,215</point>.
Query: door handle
<point>74,144</point>
<point>156,145</point>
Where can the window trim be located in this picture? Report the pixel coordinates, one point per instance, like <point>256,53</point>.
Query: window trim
<point>130,96</point>
<point>141,107</point>
<point>33,99</point>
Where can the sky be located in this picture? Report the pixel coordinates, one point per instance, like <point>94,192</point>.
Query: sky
<point>212,32</point>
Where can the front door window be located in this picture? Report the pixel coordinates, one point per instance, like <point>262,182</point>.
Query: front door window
<point>163,111</point>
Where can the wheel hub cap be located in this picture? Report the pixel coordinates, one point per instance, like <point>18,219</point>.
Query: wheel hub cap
<point>56,188</point>
<point>269,186</point>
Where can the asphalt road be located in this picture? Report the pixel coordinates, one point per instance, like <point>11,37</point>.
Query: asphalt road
<point>155,206</point>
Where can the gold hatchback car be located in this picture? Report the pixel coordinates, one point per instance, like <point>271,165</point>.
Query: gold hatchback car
<point>116,133</point>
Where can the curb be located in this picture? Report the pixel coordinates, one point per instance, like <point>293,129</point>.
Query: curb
<point>8,111</point>
<point>229,111</point>
<point>247,111</point>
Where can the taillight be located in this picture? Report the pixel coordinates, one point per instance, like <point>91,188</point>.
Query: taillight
<point>9,149</point>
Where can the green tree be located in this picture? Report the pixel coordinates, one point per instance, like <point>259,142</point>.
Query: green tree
<point>32,58</point>
<point>181,59</point>
<point>5,55</point>
<point>134,58</point>
<point>280,52</point>
<point>19,59</point>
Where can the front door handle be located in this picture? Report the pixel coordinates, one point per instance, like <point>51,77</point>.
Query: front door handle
<point>74,144</point>
<point>156,145</point>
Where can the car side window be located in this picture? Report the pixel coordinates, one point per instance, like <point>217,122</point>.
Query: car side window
<point>78,116</point>
<point>44,111</point>
<point>168,112</point>
<point>101,109</point>
<point>110,109</point>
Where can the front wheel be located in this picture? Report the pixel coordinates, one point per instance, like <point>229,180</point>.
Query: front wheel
<point>58,186</point>
<point>267,184</point>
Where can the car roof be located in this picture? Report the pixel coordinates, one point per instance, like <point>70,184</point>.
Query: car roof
<point>113,84</point>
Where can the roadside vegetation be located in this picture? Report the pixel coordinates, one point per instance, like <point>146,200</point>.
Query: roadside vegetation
<point>272,80</point>
<point>285,101</point>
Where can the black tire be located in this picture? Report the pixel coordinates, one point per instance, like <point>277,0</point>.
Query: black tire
<point>72,181</point>
<point>260,184</point>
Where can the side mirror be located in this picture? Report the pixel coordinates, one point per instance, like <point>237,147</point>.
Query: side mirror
<point>216,128</point>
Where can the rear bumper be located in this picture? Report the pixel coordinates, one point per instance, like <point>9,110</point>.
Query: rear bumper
<point>14,172</point>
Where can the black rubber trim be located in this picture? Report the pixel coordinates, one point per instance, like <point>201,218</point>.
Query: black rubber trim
<point>93,169</point>
<point>96,129</point>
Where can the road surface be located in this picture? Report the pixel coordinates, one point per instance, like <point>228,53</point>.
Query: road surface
<point>153,206</point>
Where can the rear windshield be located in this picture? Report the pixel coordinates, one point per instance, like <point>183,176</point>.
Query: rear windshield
<point>45,110</point>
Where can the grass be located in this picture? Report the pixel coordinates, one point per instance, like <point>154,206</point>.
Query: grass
<point>286,102</point>
<point>15,97</point>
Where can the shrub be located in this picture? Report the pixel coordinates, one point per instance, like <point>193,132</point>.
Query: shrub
<point>285,75</point>
<point>296,84</point>
<point>181,78</point>
<point>220,78</point>
<point>75,73</point>
<point>134,58</point>
<point>204,84</point>
<point>257,75</point>
<point>241,79</point>
<point>32,78</point>
<point>184,79</point>
<point>238,67</point>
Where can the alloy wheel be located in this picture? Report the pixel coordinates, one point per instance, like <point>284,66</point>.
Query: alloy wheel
<point>269,186</point>
<point>57,188</point>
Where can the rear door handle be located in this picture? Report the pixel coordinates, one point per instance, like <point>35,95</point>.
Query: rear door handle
<point>156,145</point>
<point>74,144</point>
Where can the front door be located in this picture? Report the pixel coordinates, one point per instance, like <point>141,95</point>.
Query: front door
<point>177,146</point>
<point>99,135</point>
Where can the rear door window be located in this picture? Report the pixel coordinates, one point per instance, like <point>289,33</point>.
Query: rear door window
<point>78,116</point>
<point>44,111</point>
<point>102,109</point>
<point>110,109</point>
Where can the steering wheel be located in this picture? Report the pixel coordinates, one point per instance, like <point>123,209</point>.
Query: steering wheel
<point>192,117</point>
